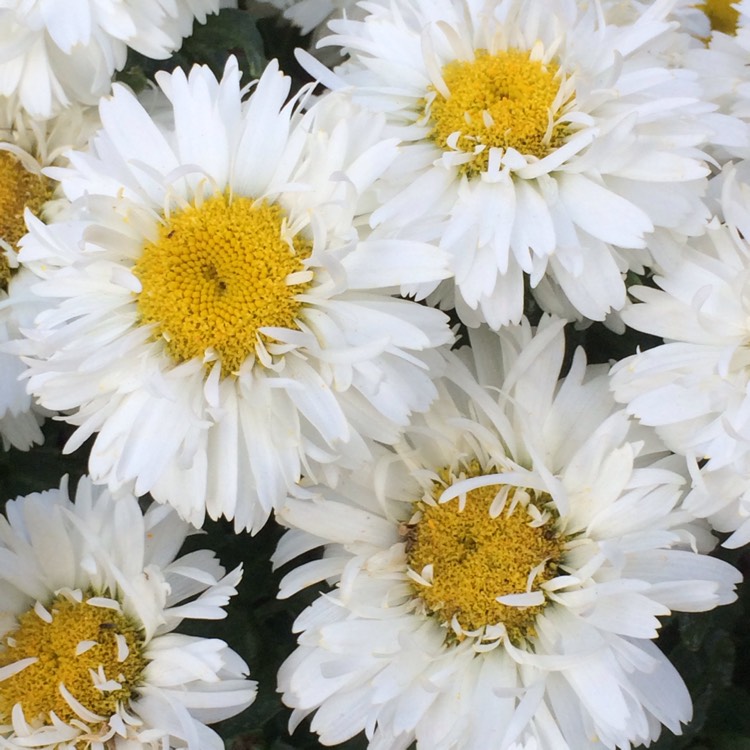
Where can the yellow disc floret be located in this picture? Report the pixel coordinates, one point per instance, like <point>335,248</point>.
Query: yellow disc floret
<point>95,653</point>
<point>722,14</point>
<point>502,100</point>
<point>476,558</point>
<point>216,274</point>
<point>19,189</point>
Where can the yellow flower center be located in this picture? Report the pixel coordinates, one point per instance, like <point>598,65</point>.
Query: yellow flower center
<point>95,652</point>
<point>476,558</point>
<point>502,100</point>
<point>19,189</point>
<point>218,273</point>
<point>722,14</point>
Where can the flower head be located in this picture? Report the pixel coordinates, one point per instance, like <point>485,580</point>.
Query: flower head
<point>543,142</point>
<point>217,316</point>
<point>721,64</point>
<point>54,54</point>
<point>694,388</point>
<point>92,594</point>
<point>26,148</point>
<point>499,575</point>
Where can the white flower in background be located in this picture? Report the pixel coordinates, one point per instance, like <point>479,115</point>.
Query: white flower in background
<point>214,313</point>
<point>20,416</point>
<point>92,594</point>
<point>718,76</point>
<point>499,575</point>
<point>53,54</point>
<point>698,19</point>
<point>541,142</point>
<point>722,63</point>
<point>26,147</point>
<point>694,389</point>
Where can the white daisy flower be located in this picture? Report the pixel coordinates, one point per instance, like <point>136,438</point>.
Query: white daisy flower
<point>20,417</point>
<point>722,64</point>
<point>92,594</point>
<point>694,388</point>
<point>729,132</point>
<point>218,319</point>
<point>499,575</point>
<point>26,147</point>
<point>542,142</point>
<point>55,54</point>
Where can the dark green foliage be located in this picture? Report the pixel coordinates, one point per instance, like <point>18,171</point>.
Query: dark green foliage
<point>41,468</point>
<point>231,32</point>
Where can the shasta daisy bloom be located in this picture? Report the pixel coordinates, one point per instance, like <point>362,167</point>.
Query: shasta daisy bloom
<point>55,54</point>
<point>542,142</point>
<point>20,416</point>
<point>499,575</point>
<point>214,313</point>
<point>92,593</point>
<point>722,63</point>
<point>26,147</point>
<point>694,388</point>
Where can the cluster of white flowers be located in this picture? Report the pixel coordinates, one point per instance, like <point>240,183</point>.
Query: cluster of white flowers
<point>239,296</point>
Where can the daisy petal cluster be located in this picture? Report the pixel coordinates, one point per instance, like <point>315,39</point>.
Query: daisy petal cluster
<point>722,63</point>
<point>55,54</point>
<point>499,575</point>
<point>542,143</point>
<point>26,148</point>
<point>20,416</point>
<point>92,593</point>
<point>694,388</point>
<point>214,312</point>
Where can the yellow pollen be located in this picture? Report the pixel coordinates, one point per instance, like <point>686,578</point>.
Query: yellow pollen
<point>19,189</point>
<point>216,274</point>
<point>80,638</point>
<point>477,558</point>
<point>722,14</point>
<point>502,100</point>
